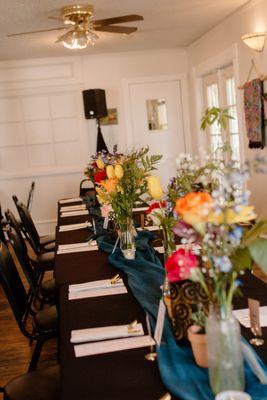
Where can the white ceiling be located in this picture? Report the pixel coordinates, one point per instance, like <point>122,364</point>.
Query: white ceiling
<point>167,24</point>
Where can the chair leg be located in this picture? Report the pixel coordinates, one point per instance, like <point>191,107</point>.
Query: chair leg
<point>5,396</point>
<point>36,354</point>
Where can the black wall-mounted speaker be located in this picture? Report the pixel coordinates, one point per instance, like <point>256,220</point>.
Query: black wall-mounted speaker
<point>94,101</point>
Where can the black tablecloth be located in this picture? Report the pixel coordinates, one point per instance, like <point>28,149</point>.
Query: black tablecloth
<point>124,374</point>
<point>120,375</point>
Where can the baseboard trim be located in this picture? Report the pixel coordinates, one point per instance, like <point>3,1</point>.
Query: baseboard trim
<point>46,227</point>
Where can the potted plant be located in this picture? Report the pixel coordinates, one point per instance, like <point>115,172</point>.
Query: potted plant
<point>197,336</point>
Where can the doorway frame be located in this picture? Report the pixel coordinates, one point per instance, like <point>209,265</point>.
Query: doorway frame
<point>182,78</point>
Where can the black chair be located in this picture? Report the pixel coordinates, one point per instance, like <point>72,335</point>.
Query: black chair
<point>41,262</point>
<point>2,226</point>
<point>30,197</point>
<point>87,189</point>
<point>39,244</point>
<point>42,384</point>
<point>43,290</point>
<point>44,322</point>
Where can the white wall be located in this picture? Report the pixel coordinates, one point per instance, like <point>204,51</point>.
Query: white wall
<point>43,133</point>
<point>225,36</point>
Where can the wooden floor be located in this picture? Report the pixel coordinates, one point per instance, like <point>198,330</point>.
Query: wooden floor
<point>15,351</point>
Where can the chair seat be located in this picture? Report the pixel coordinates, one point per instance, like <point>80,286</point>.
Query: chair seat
<point>46,320</point>
<point>48,289</point>
<point>50,247</point>
<point>47,239</point>
<point>42,384</point>
<point>44,262</point>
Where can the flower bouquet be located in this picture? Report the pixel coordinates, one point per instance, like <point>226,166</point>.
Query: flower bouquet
<point>181,295</point>
<point>126,181</point>
<point>222,248</point>
<point>96,170</point>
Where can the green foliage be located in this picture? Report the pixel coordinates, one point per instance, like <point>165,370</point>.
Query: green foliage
<point>199,317</point>
<point>192,178</point>
<point>258,251</point>
<point>137,165</point>
<point>241,259</point>
<point>215,115</point>
<point>260,228</point>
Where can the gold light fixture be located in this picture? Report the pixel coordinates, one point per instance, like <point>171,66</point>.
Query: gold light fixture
<point>255,41</point>
<point>78,38</point>
<point>81,27</point>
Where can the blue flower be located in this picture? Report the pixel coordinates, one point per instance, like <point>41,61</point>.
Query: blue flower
<point>236,235</point>
<point>223,263</point>
<point>238,283</point>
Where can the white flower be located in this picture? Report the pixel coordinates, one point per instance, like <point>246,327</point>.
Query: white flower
<point>156,216</point>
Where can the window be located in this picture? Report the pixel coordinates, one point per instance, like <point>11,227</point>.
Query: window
<point>220,91</point>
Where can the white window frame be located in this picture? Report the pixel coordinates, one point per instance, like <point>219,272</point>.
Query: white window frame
<point>211,67</point>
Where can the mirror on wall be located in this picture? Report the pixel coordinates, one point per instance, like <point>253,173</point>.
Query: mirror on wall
<point>157,115</point>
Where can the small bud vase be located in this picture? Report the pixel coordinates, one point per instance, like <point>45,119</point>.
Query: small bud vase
<point>226,370</point>
<point>127,240</point>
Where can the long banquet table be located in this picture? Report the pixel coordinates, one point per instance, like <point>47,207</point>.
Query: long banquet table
<point>117,375</point>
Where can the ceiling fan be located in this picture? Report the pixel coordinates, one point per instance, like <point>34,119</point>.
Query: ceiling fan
<point>81,28</point>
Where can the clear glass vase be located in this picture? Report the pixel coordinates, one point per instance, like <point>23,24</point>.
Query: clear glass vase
<point>169,247</point>
<point>226,370</point>
<point>127,240</point>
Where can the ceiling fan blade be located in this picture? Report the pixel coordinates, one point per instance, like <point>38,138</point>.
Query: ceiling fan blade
<point>55,18</point>
<point>127,30</point>
<point>117,20</point>
<point>40,31</point>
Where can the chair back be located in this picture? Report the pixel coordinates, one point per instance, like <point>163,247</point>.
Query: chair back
<point>87,189</point>
<point>2,235</point>
<point>2,226</point>
<point>29,227</point>
<point>30,197</point>
<point>1,214</point>
<point>23,258</point>
<point>12,221</point>
<point>12,285</point>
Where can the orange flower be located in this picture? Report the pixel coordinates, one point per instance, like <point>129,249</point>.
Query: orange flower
<point>109,184</point>
<point>193,203</point>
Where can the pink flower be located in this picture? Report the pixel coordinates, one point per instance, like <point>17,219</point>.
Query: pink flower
<point>105,210</point>
<point>180,264</point>
<point>186,231</point>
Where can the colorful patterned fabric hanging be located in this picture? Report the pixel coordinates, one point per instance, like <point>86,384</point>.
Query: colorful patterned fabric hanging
<point>254,113</point>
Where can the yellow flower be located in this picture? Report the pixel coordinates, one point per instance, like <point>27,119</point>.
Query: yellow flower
<point>215,218</point>
<point>110,172</point>
<point>102,196</point>
<point>246,214</point>
<point>109,185</point>
<point>120,189</point>
<point>100,163</point>
<point>154,187</point>
<point>118,171</point>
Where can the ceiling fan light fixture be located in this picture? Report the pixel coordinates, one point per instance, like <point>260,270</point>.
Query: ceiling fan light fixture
<point>78,39</point>
<point>255,41</point>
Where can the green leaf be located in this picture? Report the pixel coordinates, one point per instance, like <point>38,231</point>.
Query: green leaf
<point>258,252</point>
<point>253,234</point>
<point>215,115</point>
<point>241,259</point>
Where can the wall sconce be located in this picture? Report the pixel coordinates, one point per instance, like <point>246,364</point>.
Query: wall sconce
<point>255,41</point>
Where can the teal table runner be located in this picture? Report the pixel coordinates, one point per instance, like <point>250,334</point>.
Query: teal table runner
<point>178,370</point>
